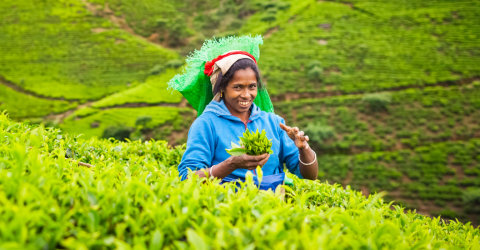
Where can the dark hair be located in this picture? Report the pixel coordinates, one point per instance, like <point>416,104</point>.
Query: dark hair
<point>244,63</point>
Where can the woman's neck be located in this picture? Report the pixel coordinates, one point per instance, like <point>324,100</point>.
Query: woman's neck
<point>243,116</point>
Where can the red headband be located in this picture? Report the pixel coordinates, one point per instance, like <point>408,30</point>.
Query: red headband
<point>209,66</point>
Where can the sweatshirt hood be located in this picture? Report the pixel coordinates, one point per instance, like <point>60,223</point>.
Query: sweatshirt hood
<point>219,109</point>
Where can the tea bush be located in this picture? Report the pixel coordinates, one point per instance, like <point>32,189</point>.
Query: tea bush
<point>318,132</point>
<point>132,198</point>
<point>121,132</point>
<point>377,101</point>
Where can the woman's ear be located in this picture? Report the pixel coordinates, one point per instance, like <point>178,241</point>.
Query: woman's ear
<point>221,92</point>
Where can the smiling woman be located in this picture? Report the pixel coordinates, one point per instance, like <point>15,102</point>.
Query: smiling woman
<point>240,102</point>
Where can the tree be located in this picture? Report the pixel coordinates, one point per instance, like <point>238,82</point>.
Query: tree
<point>314,71</point>
<point>318,132</point>
<point>377,101</point>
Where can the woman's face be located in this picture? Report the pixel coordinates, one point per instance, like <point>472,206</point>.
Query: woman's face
<point>241,91</point>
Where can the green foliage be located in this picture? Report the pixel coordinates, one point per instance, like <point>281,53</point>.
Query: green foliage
<point>133,198</point>
<point>419,174</point>
<point>186,23</point>
<point>119,132</point>
<point>24,106</point>
<point>368,46</point>
<point>471,196</point>
<point>60,49</point>
<point>143,126</point>
<point>143,120</point>
<point>446,214</point>
<point>86,111</point>
<point>318,132</point>
<point>153,90</point>
<point>95,124</point>
<point>63,49</point>
<point>378,101</point>
<point>314,71</point>
<point>157,69</point>
<point>177,63</point>
<point>252,144</point>
<point>407,124</point>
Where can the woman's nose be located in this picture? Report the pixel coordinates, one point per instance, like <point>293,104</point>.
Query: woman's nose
<point>245,93</point>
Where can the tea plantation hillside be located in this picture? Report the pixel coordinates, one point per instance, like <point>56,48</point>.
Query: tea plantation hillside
<point>422,145</point>
<point>132,198</point>
<point>387,90</point>
<point>185,24</point>
<point>365,46</point>
<point>59,49</point>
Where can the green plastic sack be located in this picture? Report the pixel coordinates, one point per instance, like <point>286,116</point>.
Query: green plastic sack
<point>195,86</point>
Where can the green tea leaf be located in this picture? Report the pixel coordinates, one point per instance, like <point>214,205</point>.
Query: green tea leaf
<point>195,240</point>
<point>157,240</point>
<point>236,151</point>
<point>254,143</point>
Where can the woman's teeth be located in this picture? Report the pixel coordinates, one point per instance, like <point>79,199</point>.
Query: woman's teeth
<point>244,103</point>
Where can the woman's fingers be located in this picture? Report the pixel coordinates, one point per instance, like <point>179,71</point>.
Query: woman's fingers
<point>259,163</point>
<point>284,127</point>
<point>264,161</point>
<point>258,158</point>
<point>301,140</point>
<point>296,135</point>
<point>291,132</point>
<point>287,129</point>
<point>301,135</point>
<point>254,161</point>
<point>251,162</point>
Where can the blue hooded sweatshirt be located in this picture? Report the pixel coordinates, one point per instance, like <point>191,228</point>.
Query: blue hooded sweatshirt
<point>213,131</point>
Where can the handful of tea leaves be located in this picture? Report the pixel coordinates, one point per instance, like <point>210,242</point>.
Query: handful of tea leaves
<point>253,144</point>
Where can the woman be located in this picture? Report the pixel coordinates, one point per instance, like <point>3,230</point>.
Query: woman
<point>236,85</point>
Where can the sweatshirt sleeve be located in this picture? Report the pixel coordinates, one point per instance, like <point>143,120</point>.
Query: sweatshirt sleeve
<point>289,152</point>
<point>200,148</point>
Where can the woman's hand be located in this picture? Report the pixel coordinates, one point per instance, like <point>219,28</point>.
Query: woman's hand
<point>299,137</point>
<point>226,167</point>
<point>308,163</point>
<point>249,162</point>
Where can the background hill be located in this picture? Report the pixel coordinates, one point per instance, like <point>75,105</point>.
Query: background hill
<point>388,90</point>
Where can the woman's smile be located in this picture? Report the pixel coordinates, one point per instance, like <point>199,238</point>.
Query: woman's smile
<point>245,104</point>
